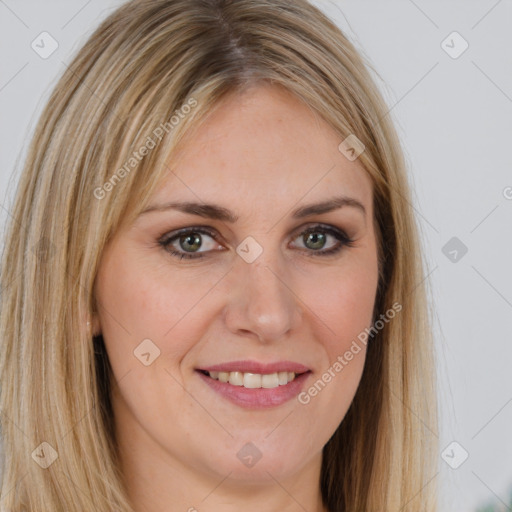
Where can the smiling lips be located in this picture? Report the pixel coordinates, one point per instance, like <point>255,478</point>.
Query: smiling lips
<point>254,384</point>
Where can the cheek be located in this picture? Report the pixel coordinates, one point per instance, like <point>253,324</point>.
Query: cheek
<point>139,301</point>
<point>345,302</point>
<point>342,307</point>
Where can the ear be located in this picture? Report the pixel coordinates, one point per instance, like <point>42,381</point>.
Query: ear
<point>95,324</point>
<point>92,323</point>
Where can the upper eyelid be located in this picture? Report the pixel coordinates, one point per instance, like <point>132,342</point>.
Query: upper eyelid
<point>214,232</point>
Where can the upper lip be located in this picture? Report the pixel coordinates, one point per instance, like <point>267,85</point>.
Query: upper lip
<point>256,367</point>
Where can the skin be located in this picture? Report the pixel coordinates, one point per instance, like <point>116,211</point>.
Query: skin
<point>260,154</point>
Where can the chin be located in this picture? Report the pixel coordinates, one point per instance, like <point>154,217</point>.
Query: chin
<point>259,466</point>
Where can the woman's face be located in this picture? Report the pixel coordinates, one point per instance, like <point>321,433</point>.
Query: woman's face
<point>247,290</point>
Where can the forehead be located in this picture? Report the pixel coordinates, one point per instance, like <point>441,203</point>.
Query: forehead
<point>261,146</point>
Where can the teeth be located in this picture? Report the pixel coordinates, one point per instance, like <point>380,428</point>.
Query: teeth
<point>254,380</point>
<point>236,378</point>
<point>283,377</point>
<point>270,381</point>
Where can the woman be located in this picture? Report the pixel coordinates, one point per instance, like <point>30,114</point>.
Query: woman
<point>218,296</point>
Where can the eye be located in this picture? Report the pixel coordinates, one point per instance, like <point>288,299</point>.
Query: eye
<point>187,242</point>
<point>316,238</point>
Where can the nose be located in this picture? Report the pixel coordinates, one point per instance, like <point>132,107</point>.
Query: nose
<point>262,301</point>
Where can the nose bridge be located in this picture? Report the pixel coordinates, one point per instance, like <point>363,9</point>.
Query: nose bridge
<point>264,302</point>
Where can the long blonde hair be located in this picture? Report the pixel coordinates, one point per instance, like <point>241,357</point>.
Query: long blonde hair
<point>129,84</point>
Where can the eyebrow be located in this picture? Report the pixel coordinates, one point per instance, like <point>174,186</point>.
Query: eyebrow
<point>213,211</point>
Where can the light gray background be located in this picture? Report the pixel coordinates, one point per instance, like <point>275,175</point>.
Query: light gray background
<point>454,119</point>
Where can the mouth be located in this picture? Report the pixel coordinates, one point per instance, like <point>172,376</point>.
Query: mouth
<point>250,380</point>
<point>254,385</point>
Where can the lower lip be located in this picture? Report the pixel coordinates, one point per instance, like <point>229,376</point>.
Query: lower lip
<point>258,398</point>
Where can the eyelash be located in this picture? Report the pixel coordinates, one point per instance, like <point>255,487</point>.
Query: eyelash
<point>166,240</point>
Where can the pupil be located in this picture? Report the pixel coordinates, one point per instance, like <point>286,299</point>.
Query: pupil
<point>191,240</point>
<point>317,239</point>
